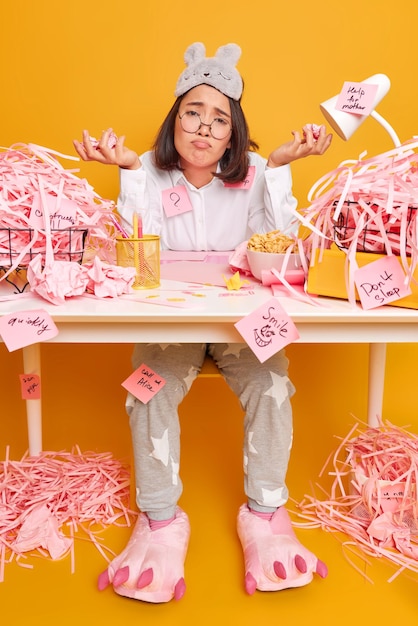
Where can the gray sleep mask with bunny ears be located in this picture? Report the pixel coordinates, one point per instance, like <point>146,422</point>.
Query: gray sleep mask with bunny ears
<point>218,71</point>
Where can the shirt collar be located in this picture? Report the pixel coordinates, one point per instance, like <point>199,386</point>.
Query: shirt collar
<point>179,178</point>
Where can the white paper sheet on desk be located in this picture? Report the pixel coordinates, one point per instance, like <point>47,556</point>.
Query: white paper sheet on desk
<point>200,273</point>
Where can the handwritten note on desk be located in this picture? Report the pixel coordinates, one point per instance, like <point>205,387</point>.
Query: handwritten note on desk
<point>23,328</point>
<point>381,282</point>
<point>267,330</point>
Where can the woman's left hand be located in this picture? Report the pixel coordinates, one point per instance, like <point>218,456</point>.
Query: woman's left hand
<point>301,146</point>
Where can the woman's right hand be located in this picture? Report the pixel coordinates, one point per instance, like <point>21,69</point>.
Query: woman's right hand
<point>104,153</point>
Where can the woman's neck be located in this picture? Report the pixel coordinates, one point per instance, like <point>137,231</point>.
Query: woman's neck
<point>198,177</point>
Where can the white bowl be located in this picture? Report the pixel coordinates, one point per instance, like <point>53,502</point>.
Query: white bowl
<point>260,262</point>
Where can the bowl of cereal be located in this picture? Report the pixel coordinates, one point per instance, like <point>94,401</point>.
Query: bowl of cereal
<point>271,251</point>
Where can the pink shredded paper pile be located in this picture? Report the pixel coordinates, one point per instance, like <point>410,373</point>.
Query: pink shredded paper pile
<point>45,500</point>
<point>373,495</point>
<point>39,198</point>
<point>368,205</point>
<point>51,221</point>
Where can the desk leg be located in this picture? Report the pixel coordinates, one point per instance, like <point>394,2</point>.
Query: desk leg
<point>32,365</point>
<point>377,363</point>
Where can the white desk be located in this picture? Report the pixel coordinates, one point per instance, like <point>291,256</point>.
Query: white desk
<point>123,320</point>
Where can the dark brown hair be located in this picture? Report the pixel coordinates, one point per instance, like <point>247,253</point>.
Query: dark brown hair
<point>234,162</point>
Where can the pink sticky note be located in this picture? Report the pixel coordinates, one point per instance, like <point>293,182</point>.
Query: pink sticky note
<point>144,383</point>
<point>381,282</point>
<point>392,495</point>
<point>245,184</point>
<point>357,98</point>
<point>62,215</point>
<point>30,385</point>
<point>267,330</point>
<point>24,328</point>
<point>176,200</point>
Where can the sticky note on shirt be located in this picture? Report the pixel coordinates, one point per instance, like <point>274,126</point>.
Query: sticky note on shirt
<point>176,201</point>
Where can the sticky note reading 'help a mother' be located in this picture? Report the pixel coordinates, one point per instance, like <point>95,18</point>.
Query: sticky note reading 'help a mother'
<point>381,282</point>
<point>144,383</point>
<point>267,330</point>
<point>24,328</point>
<point>357,98</point>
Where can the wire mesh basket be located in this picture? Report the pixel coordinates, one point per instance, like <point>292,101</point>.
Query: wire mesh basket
<point>144,255</point>
<point>378,225</point>
<point>67,245</point>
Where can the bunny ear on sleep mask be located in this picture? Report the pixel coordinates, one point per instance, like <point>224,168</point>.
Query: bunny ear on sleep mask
<point>218,71</point>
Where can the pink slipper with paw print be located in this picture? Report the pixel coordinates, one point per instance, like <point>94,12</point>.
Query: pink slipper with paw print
<point>151,567</point>
<point>274,558</point>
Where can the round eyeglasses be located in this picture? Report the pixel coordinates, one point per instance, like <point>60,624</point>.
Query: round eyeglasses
<point>190,122</point>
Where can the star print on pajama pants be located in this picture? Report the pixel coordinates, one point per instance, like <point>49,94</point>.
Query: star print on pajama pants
<point>264,391</point>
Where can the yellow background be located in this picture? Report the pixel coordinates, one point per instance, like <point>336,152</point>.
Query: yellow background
<point>94,64</point>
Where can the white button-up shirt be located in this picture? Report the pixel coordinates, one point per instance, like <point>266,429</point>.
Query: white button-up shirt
<point>221,217</point>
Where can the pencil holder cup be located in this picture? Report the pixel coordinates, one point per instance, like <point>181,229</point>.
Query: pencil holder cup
<point>144,255</point>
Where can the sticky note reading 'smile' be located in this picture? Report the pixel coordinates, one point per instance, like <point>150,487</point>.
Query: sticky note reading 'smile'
<point>267,330</point>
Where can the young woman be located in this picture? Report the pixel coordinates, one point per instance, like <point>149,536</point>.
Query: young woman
<point>204,149</point>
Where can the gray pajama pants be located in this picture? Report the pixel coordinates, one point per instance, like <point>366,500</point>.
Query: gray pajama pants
<point>264,391</point>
